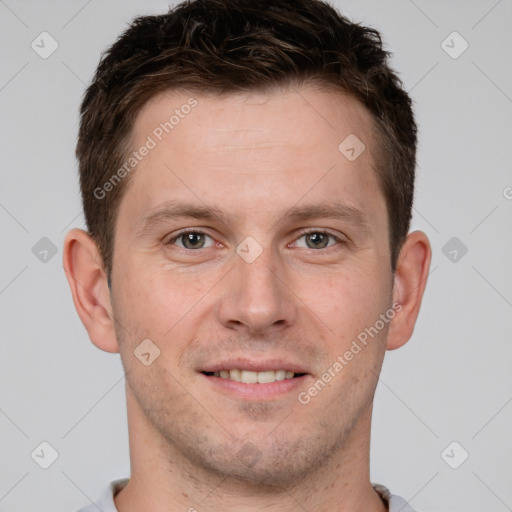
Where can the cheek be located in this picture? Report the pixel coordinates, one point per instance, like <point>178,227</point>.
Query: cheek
<point>154,301</point>
<point>348,301</point>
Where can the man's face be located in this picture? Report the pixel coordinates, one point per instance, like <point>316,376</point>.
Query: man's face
<point>291,265</point>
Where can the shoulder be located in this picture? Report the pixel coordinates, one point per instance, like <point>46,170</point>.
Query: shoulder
<point>395,503</point>
<point>106,501</point>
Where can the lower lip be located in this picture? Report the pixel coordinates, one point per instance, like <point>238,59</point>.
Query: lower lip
<point>256,391</point>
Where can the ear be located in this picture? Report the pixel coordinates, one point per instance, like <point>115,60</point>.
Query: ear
<point>408,286</point>
<point>88,282</point>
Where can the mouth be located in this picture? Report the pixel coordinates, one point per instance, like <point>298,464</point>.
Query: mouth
<point>252,377</point>
<point>255,380</point>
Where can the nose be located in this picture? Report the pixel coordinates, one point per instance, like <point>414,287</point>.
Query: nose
<point>257,298</point>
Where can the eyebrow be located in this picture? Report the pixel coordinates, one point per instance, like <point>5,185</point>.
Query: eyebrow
<point>173,210</point>
<point>329,210</point>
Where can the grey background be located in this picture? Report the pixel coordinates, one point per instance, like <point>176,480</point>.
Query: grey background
<point>451,382</point>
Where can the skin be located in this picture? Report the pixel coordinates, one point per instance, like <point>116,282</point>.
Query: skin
<point>252,157</point>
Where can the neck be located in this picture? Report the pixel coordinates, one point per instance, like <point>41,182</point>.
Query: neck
<point>162,479</point>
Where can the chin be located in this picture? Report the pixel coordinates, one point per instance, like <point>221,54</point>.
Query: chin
<point>282,464</point>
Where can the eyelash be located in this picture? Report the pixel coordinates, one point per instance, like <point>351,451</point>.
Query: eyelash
<point>302,233</point>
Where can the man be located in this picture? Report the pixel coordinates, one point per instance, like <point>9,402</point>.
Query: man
<point>247,174</point>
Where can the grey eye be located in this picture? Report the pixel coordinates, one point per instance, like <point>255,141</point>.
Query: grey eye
<point>192,240</point>
<point>316,240</point>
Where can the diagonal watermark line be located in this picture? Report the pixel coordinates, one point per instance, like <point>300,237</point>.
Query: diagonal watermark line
<point>424,13</point>
<point>508,508</point>
<point>71,222</point>
<point>410,499</point>
<point>493,287</point>
<point>14,485</point>
<point>294,499</point>
<point>426,220</point>
<point>13,13</point>
<point>430,272</point>
<point>192,307</point>
<point>14,76</point>
<point>279,424</point>
<point>184,184</point>
<point>312,107</point>
<point>14,423</point>
<point>81,419</point>
<point>423,77</point>
<point>501,409</point>
<point>486,14</point>
<point>81,491</point>
<point>212,490</point>
<point>380,380</point>
<point>13,218</point>
<point>325,325</point>
<point>198,402</point>
<point>112,318</point>
<point>306,193</point>
<point>492,211</point>
<point>491,80</point>
<point>76,14</point>
<point>13,279</point>
<point>72,72</point>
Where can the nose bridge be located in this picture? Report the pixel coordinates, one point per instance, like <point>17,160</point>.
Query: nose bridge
<point>257,297</point>
<point>258,276</point>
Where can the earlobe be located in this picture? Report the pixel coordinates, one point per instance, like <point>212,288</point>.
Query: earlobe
<point>408,287</point>
<point>88,282</point>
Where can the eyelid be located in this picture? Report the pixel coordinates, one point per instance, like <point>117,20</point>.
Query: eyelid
<point>307,231</point>
<point>184,232</point>
<point>323,231</point>
<point>302,232</point>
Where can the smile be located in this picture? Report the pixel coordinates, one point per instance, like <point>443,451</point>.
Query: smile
<point>252,377</point>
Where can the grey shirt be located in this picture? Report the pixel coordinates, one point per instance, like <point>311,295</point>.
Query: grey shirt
<point>106,501</point>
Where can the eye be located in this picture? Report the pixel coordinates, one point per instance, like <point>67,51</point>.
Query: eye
<point>317,240</point>
<point>191,240</point>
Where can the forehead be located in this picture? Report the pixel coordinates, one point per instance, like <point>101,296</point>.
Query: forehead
<point>285,114</point>
<point>249,149</point>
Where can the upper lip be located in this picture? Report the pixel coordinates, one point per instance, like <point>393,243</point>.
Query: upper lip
<point>255,366</point>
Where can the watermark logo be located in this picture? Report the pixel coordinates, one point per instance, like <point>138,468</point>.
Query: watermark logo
<point>249,249</point>
<point>352,147</point>
<point>146,352</point>
<point>454,45</point>
<point>44,45</point>
<point>249,454</point>
<point>454,455</point>
<point>44,250</point>
<point>454,249</point>
<point>44,455</point>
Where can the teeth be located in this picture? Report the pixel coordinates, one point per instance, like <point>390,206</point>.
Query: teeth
<point>235,375</point>
<point>280,374</point>
<point>264,377</point>
<point>249,377</point>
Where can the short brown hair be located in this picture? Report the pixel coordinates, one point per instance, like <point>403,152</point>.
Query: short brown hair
<point>227,46</point>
